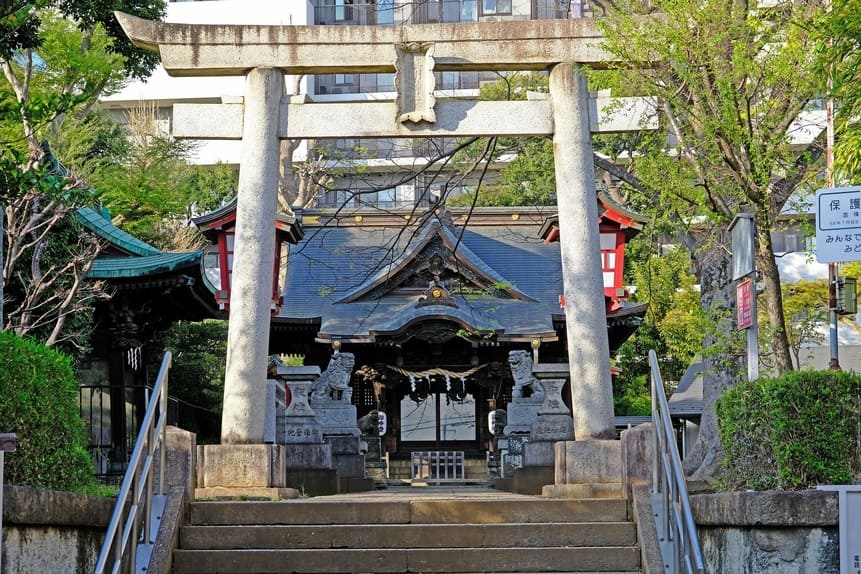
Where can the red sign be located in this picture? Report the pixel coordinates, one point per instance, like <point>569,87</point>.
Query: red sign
<point>744,304</point>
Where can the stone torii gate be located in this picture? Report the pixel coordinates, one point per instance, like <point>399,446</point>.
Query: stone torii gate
<point>264,54</point>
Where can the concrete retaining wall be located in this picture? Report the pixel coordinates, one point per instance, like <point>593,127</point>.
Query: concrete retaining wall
<point>768,532</point>
<point>49,531</point>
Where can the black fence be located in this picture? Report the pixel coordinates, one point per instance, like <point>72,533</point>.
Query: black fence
<point>113,432</point>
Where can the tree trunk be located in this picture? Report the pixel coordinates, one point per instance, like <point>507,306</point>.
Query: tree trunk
<point>767,266</point>
<point>723,361</point>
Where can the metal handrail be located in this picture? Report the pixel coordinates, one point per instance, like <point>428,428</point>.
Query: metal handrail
<point>134,504</point>
<point>680,545</point>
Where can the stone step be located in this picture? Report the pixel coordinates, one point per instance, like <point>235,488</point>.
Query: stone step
<point>420,511</point>
<point>381,536</point>
<point>449,560</point>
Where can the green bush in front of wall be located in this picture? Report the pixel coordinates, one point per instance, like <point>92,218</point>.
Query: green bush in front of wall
<point>39,403</point>
<point>792,432</point>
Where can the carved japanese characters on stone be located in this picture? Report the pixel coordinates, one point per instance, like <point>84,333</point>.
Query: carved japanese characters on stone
<point>525,384</point>
<point>334,383</point>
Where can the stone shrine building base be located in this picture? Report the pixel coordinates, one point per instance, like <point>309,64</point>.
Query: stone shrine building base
<point>241,471</point>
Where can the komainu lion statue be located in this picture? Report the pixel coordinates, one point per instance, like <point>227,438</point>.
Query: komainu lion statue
<point>334,382</point>
<point>370,423</point>
<point>525,384</point>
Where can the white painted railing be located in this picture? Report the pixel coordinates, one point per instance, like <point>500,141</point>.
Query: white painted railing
<point>677,532</point>
<point>438,465</point>
<point>134,523</point>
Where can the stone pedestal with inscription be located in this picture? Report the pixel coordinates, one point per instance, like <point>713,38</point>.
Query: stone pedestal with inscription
<point>340,430</point>
<point>307,457</point>
<point>554,423</point>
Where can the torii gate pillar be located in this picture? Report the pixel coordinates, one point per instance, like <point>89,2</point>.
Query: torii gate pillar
<point>251,289</point>
<point>583,284</point>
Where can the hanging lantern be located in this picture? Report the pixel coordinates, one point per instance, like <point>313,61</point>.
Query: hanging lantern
<point>219,228</point>
<point>616,226</point>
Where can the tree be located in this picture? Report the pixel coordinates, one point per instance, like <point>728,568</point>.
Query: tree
<point>673,325</point>
<point>839,31</point>
<point>39,402</point>
<point>806,305</point>
<point>730,80</point>
<point>197,377</point>
<point>57,58</point>
<point>147,182</point>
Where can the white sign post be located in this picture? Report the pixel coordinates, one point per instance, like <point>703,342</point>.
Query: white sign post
<point>742,231</point>
<point>849,501</point>
<point>838,224</point>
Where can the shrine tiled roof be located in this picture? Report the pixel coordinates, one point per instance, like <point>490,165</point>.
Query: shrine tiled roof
<point>99,222</point>
<point>144,266</point>
<point>362,281</point>
<point>126,256</point>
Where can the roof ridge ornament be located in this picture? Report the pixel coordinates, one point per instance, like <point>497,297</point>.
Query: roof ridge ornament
<point>436,294</point>
<point>415,82</point>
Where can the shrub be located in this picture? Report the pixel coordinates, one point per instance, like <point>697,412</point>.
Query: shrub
<point>39,403</point>
<point>795,431</point>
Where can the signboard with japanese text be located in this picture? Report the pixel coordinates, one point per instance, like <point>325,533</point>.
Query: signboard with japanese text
<point>744,304</point>
<point>838,224</point>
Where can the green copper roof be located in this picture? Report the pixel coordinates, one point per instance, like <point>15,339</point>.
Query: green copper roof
<point>132,267</point>
<point>99,223</point>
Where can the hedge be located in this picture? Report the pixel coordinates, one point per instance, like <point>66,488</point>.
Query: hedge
<point>792,432</point>
<point>39,403</point>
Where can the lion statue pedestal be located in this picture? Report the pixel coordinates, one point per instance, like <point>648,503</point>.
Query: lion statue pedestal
<point>331,400</point>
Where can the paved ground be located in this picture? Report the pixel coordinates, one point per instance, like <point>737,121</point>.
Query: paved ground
<point>470,491</point>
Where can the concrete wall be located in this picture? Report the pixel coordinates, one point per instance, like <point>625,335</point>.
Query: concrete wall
<point>768,532</point>
<point>49,531</point>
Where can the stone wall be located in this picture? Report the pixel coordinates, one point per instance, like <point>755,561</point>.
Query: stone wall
<point>50,531</point>
<point>768,532</point>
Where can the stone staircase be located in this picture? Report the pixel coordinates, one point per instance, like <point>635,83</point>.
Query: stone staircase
<point>404,532</point>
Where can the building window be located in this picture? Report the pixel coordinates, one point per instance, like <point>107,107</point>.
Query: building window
<point>343,10</point>
<point>788,241</point>
<point>386,82</point>
<point>491,7</point>
<point>459,11</point>
<point>342,79</point>
<point>385,12</point>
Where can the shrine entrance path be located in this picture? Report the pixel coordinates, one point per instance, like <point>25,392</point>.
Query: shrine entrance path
<point>454,529</point>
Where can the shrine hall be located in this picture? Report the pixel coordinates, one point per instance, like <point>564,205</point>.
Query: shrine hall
<point>430,303</point>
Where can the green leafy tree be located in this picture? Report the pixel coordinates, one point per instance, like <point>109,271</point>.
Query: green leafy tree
<point>39,403</point>
<point>57,58</point>
<point>730,80</point>
<point>197,374</point>
<point>839,30</point>
<point>673,325</point>
<point>806,305</point>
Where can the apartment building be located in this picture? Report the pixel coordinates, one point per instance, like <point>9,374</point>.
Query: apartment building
<point>360,173</point>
